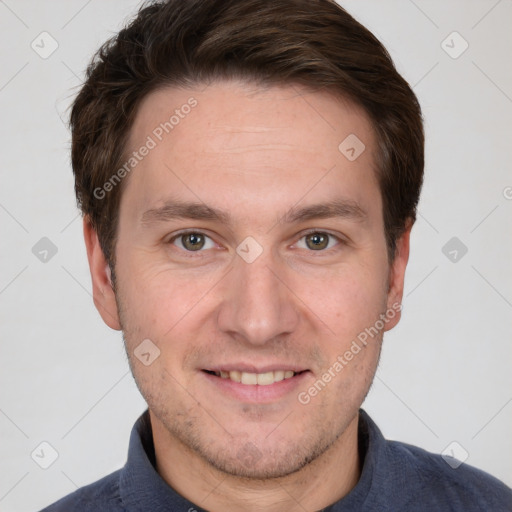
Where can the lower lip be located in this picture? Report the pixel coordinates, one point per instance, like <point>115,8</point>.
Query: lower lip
<point>256,393</point>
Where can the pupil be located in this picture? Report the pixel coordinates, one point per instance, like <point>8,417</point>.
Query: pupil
<point>193,241</point>
<point>317,241</point>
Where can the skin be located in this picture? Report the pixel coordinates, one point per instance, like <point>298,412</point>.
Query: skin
<point>257,154</point>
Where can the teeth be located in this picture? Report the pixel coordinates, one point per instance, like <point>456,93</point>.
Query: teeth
<point>251,379</point>
<point>279,376</point>
<point>236,376</point>
<point>264,379</point>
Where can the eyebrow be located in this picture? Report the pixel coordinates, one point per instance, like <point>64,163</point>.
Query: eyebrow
<point>341,208</point>
<point>172,210</point>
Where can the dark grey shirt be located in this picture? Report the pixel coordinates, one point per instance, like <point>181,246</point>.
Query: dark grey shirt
<point>395,477</point>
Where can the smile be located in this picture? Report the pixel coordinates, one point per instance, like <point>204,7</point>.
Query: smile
<point>253,379</point>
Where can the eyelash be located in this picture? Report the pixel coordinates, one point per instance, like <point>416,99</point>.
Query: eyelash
<point>339,240</point>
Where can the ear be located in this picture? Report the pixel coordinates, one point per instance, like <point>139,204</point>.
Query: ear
<point>102,290</point>
<point>397,275</point>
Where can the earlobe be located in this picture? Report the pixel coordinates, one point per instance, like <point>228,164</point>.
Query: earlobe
<point>397,275</point>
<point>102,289</point>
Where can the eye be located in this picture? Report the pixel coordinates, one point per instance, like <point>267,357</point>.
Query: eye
<point>193,241</point>
<point>317,241</point>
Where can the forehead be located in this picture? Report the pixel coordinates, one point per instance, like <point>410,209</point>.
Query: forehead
<point>232,143</point>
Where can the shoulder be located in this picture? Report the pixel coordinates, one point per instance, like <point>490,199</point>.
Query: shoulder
<point>101,495</point>
<point>437,483</point>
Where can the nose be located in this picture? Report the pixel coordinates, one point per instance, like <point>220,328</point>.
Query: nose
<point>257,305</point>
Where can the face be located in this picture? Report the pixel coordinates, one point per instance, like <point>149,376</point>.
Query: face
<point>251,253</point>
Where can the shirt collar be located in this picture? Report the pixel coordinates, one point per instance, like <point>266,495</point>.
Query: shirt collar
<point>142,488</point>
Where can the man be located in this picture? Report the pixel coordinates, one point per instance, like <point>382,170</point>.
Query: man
<point>249,171</point>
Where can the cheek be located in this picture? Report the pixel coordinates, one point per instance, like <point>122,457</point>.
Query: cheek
<point>158,296</point>
<point>348,301</point>
<point>349,305</point>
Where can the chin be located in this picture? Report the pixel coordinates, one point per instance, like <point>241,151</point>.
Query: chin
<point>249,463</point>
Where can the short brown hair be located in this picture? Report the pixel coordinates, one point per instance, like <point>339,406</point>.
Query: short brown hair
<point>313,43</point>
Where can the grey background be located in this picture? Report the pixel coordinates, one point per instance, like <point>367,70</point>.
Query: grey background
<point>445,370</point>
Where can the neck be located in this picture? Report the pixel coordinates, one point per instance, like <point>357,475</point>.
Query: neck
<point>321,483</point>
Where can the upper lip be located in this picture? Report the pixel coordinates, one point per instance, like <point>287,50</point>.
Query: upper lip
<point>248,368</point>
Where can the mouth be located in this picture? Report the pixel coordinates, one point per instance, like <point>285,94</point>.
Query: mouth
<point>253,379</point>
<point>249,384</point>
